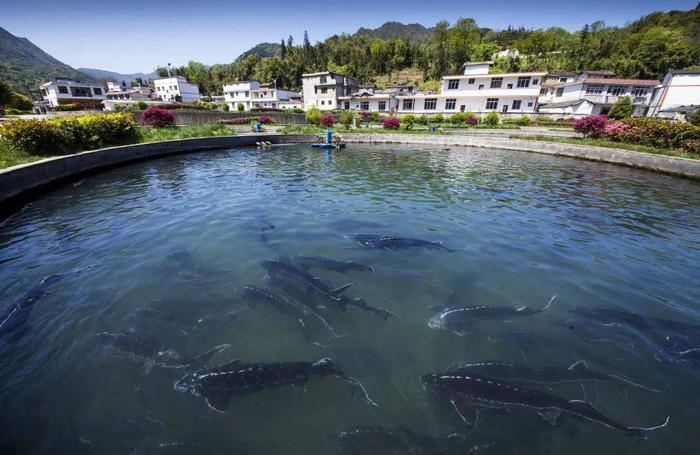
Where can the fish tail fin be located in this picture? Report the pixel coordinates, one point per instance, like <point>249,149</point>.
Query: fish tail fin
<point>578,366</point>
<point>204,358</point>
<point>642,433</point>
<point>627,381</point>
<point>549,304</point>
<point>338,291</point>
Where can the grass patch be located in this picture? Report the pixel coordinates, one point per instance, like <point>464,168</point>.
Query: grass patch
<point>11,157</point>
<point>148,134</point>
<point>609,144</point>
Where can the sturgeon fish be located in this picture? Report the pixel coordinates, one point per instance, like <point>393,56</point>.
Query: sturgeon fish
<point>281,269</point>
<point>12,321</point>
<point>513,372</point>
<point>460,319</point>
<point>217,385</point>
<point>647,324</point>
<point>386,242</point>
<point>146,349</point>
<point>469,392</point>
<point>319,262</point>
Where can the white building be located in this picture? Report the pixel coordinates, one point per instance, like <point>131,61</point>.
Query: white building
<point>677,96</point>
<point>593,93</point>
<point>322,90</point>
<point>369,98</point>
<point>63,91</point>
<point>254,95</point>
<point>176,89</point>
<point>479,92</point>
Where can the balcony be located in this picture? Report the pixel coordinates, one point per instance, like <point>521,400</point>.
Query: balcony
<point>612,99</point>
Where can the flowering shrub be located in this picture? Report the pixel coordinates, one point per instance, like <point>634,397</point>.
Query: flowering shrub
<point>592,125</point>
<point>264,119</point>
<point>661,134</point>
<point>66,135</point>
<point>472,121</point>
<point>327,121</point>
<point>392,123</point>
<point>157,117</point>
<point>617,131</point>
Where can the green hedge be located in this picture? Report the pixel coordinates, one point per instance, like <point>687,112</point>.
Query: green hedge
<point>68,135</point>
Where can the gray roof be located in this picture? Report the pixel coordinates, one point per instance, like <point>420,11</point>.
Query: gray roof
<point>562,104</point>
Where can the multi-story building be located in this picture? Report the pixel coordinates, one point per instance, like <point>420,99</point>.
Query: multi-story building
<point>594,93</point>
<point>63,91</point>
<point>478,91</point>
<point>254,95</point>
<point>322,90</point>
<point>176,89</point>
<point>678,95</point>
<point>370,98</point>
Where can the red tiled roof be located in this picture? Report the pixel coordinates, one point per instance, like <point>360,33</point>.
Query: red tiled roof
<point>596,80</point>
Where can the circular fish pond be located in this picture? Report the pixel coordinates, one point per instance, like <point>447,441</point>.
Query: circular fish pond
<point>376,299</point>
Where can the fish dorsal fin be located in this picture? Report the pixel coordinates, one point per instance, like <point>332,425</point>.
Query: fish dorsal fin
<point>578,366</point>
<point>522,308</point>
<point>550,415</point>
<point>217,399</point>
<point>338,291</point>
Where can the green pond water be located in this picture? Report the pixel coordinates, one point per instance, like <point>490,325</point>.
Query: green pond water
<point>160,250</point>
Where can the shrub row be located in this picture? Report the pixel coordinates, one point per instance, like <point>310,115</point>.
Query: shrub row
<point>68,135</point>
<point>651,132</point>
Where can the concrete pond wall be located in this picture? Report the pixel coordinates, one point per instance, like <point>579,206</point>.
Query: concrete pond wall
<point>19,182</point>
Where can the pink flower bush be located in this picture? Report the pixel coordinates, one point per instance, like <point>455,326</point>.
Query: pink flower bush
<point>264,119</point>
<point>157,117</point>
<point>391,123</point>
<point>327,121</point>
<point>593,125</point>
<point>617,131</point>
<point>472,121</point>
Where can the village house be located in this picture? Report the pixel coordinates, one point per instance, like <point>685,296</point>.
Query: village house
<point>254,95</point>
<point>370,98</point>
<point>322,90</point>
<point>176,89</point>
<point>478,91</point>
<point>64,91</point>
<point>678,96</point>
<point>594,93</point>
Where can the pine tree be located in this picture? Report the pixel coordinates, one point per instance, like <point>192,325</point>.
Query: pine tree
<point>290,41</point>
<point>307,43</point>
<point>283,50</point>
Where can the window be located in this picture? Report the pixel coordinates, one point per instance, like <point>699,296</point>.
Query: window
<point>97,91</point>
<point>594,89</point>
<point>430,104</point>
<point>382,105</point>
<point>529,104</point>
<point>535,81</point>
<point>247,94</point>
<point>616,90</point>
<point>560,91</point>
<point>43,92</point>
<point>364,105</point>
<point>322,102</point>
<point>471,80</point>
<point>324,90</point>
<point>450,104</point>
<point>516,104</point>
<point>407,105</point>
<point>504,109</point>
<point>523,82</point>
<point>80,91</point>
<point>491,103</point>
<point>510,85</point>
<point>481,86</point>
<point>323,79</point>
<point>639,91</point>
<point>562,79</point>
<point>63,89</point>
<point>496,82</point>
<point>346,105</point>
<point>453,84</point>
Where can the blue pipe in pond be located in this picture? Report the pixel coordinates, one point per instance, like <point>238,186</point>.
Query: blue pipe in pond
<point>329,136</point>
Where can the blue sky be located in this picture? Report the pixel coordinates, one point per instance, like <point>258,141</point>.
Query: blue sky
<point>129,36</point>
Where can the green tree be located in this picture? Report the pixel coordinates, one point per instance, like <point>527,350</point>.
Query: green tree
<point>346,118</point>
<point>313,116</point>
<point>623,108</point>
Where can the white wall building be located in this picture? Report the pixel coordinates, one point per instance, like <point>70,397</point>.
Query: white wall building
<point>254,95</point>
<point>322,90</point>
<point>591,94</point>
<point>176,89</point>
<point>479,92</point>
<point>678,95</point>
<point>370,99</point>
<point>63,91</point>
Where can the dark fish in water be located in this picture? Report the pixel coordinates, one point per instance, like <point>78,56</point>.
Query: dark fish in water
<point>647,324</point>
<point>459,320</point>
<point>386,242</point>
<point>384,441</point>
<point>507,372</point>
<point>13,320</point>
<point>320,262</point>
<point>286,305</point>
<point>282,270</point>
<point>350,224</point>
<point>217,385</point>
<point>468,393</point>
<point>265,226</point>
<point>358,302</point>
<point>146,349</point>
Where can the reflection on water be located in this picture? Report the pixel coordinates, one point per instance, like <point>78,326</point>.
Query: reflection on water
<point>166,275</point>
